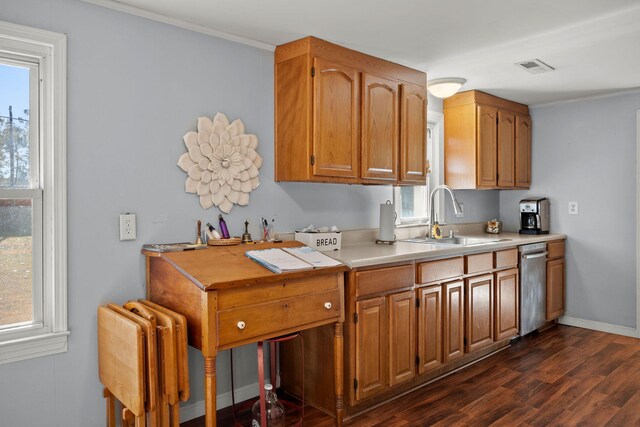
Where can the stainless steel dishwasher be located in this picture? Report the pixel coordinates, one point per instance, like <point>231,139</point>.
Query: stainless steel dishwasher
<point>533,286</point>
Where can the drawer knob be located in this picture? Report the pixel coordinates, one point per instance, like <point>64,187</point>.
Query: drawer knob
<point>241,325</point>
<point>327,305</point>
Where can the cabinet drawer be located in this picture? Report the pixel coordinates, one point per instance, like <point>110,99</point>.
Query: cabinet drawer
<point>284,315</point>
<point>381,280</point>
<point>555,249</point>
<point>478,263</point>
<point>240,297</point>
<point>434,271</point>
<point>506,258</point>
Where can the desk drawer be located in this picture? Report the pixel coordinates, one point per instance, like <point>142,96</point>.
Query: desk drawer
<point>285,315</point>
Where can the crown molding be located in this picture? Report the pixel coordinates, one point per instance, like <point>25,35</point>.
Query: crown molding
<point>158,17</point>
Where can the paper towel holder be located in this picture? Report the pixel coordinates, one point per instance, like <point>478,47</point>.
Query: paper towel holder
<point>389,242</point>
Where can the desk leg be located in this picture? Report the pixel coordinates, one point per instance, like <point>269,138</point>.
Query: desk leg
<point>338,361</point>
<point>210,391</point>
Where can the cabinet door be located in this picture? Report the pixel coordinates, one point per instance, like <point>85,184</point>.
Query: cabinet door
<point>523,151</point>
<point>555,288</point>
<point>487,146</point>
<point>506,149</point>
<point>453,315</point>
<point>479,312</point>
<point>507,302</point>
<point>371,347</point>
<point>413,133</point>
<point>379,128</point>
<point>430,328</point>
<point>402,337</point>
<point>335,121</point>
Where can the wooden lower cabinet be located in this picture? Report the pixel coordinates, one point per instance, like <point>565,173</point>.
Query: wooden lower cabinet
<point>371,347</point>
<point>385,342</point>
<point>478,312</point>
<point>429,329</point>
<point>555,288</point>
<point>506,303</point>
<point>402,342</point>
<point>453,315</point>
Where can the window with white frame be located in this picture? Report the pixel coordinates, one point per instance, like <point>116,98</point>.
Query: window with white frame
<point>33,282</point>
<point>412,202</point>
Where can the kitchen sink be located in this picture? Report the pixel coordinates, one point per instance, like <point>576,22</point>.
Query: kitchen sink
<point>457,240</point>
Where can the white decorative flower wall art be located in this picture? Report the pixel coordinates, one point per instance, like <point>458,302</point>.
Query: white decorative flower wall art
<point>221,163</point>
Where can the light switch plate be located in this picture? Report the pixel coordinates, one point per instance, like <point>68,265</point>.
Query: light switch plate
<point>127,226</point>
<point>573,208</point>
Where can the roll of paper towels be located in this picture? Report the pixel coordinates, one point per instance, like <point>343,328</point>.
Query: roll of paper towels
<point>387,222</point>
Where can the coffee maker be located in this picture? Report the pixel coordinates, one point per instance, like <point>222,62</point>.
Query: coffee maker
<point>534,215</point>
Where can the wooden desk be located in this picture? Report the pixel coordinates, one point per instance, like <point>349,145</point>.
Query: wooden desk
<point>229,301</point>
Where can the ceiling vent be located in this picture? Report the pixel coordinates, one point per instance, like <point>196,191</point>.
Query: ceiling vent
<point>534,66</point>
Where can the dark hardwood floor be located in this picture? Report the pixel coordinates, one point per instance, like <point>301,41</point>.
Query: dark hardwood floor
<point>564,376</point>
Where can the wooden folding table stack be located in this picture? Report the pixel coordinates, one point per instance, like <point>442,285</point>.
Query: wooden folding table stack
<point>143,363</point>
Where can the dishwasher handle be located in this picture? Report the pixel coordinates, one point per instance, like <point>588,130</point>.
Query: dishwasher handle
<point>536,255</point>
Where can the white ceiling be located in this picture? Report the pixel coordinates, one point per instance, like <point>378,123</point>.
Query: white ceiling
<point>593,44</point>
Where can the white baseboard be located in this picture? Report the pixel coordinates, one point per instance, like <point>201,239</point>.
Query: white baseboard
<point>196,409</point>
<point>599,326</point>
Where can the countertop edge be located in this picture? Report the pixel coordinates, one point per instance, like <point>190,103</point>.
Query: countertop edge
<point>433,253</point>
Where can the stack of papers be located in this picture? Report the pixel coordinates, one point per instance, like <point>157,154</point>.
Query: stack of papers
<point>291,259</point>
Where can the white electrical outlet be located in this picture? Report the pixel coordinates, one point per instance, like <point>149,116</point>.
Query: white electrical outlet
<point>573,208</point>
<point>128,226</point>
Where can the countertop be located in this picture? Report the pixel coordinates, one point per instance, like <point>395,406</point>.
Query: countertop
<point>367,254</point>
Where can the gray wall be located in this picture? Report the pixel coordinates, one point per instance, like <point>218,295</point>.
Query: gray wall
<point>134,88</point>
<point>586,152</point>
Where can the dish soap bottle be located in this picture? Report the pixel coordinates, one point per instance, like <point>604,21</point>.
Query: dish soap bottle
<point>275,409</point>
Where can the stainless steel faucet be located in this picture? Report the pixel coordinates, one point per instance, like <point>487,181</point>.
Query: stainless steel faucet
<point>456,206</point>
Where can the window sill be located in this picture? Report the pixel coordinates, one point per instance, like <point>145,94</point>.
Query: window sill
<point>35,346</point>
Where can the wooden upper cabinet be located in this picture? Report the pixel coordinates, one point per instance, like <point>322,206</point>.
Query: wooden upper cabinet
<point>379,128</point>
<point>413,134</point>
<point>487,146</point>
<point>335,120</point>
<point>523,152</point>
<point>339,118</point>
<point>506,148</point>
<point>487,142</point>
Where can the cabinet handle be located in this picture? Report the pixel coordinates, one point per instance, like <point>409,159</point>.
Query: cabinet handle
<point>241,325</point>
<point>327,305</point>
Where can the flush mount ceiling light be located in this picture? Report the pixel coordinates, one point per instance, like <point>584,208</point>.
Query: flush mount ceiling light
<point>444,88</point>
